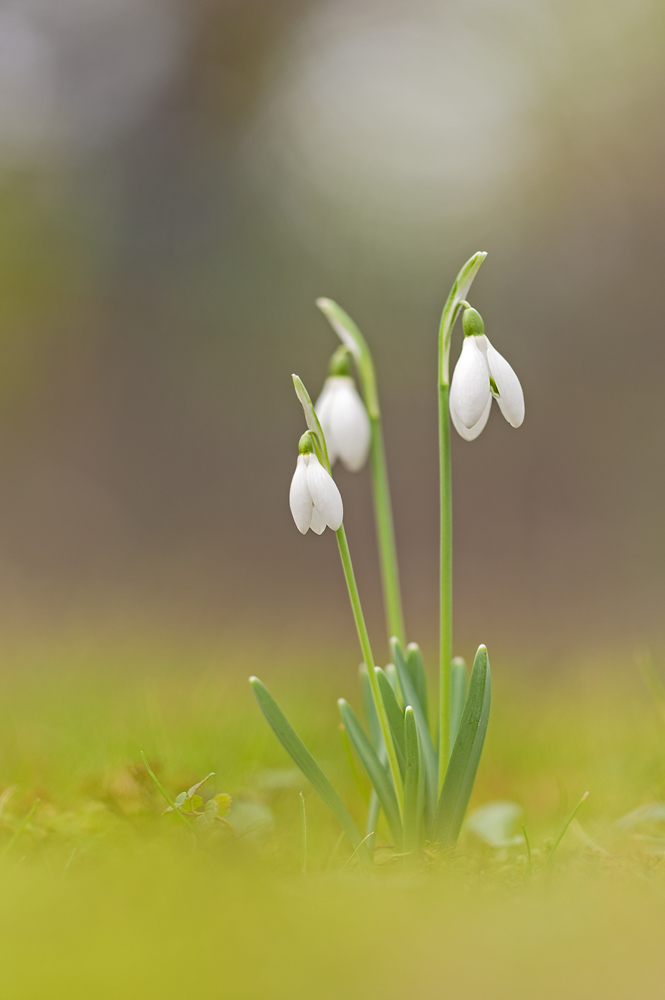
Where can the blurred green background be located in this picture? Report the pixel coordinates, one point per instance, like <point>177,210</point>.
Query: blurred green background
<point>180,180</point>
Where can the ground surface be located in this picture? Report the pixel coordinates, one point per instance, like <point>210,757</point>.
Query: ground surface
<point>103,896</point>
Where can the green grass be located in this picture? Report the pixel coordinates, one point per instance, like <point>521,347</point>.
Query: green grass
<point>103,896</point>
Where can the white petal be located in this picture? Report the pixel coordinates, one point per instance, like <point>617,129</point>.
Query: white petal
<point>470,433</point>
<point>318,525</point>
<point>324,493</point>
<point>349,424</point>
<point>511,397</point>
<point>323,409</point>
<point>300,499</point>
<point>470,387</point>
<point>323,402</point>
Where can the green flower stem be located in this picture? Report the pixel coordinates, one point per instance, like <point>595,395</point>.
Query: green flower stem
<point>446,569</point>
<point>353,340</point>
<point>366,648</point>
<point>385,532</point>
<point>451,310</point>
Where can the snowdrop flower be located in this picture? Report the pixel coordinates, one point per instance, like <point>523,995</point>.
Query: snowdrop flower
<point>343,416</point>
<point>315,501</point>
<point>480,374</point>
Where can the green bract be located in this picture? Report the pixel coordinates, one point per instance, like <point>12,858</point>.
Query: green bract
<point>312,421</point>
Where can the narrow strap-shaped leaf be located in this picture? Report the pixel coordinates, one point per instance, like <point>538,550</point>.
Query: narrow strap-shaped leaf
<point>394,713</point>
<point>430,762</point>
<point>465,757</point>
<point>422,795</point>
<point>457,696</point>
<point>348,753</point>
<point>377,772</point>
<point>370,710</point>
<point>374,809</point>
<point>416,667</point>
<point>411,811</point>
<point>391,674</point>
<point>408,688</point>
<point>299,753</point>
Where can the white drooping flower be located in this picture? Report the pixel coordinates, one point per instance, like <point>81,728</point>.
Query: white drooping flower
<point>314,498</point>
<point>344,422</point>
<point>481,374</point>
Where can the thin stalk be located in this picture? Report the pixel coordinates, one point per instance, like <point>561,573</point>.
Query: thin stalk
<point>303,828</point>
<point>371,834</point>
<point>385,533</point>
<point>335,849</point>
<point>353,340</point>
<point>446,569</point>
<point>366,648</point>
<point>451,310</point>
<point>69,861</point>
<point>19,829</point>
<point>565,826</point>
<point>527,843</point>
<point>166,795</point>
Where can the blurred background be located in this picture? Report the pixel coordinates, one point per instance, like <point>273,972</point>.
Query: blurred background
<point>180,179</point>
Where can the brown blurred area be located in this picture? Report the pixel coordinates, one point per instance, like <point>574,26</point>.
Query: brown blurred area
<point>180,180</point>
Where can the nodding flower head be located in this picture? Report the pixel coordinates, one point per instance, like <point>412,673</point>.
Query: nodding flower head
<point>343,416</point>
<point>315,501</point>
<point>480,375</point>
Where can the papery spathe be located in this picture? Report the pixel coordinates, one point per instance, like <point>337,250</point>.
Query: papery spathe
<point>314,498</point>
<point>344,422</point>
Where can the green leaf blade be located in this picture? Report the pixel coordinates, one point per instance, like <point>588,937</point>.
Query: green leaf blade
<point>371,712</point>
<point>411,783</point>
<point>416,667</point>
<point>464,760</point>
<point>301,756</point>
<point>430,762</point>
<point>457,696</point>
<point>376,771</point>
<point>394,713</point>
